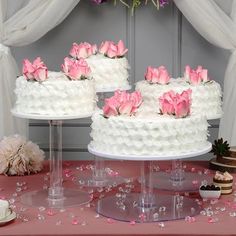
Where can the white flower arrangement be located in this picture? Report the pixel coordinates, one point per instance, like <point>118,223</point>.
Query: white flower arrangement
<point>19,156</point>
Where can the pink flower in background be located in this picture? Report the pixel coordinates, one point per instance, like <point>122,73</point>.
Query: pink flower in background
<point>197,76</point>
<point>83,50</point>
<point>76,69</point>
<point>172,103</point>
<point>122,103</point>
<point>158,75</point>
<point>112,50</point>
<point>35,71</point>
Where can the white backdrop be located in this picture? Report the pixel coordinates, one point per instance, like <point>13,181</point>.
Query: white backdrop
<point>22,23</point>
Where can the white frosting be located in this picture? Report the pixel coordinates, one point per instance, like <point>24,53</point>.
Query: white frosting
<point>4,209</point>
<point>55,96</point>
<point>206,98</point>
<point>155,135</point>
<point>109,73</point>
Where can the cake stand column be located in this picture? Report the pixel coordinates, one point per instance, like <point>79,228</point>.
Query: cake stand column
<point>56,196</point>
<point>55,192</point>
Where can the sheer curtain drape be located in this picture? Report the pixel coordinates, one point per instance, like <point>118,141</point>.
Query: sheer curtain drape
<point>219,29</point>
<point>21,23</point>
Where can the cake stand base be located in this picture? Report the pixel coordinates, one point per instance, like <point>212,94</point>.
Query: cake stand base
<point>164,208</point>
<point>88,180</point>
<point>71,198</point>
<point>190,182</point>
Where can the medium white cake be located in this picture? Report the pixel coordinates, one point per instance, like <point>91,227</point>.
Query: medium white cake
<point>109,73</point>
<point>121,129</point>
<point>153,135</point>
<point>56,96</point>
<point>206,97</point>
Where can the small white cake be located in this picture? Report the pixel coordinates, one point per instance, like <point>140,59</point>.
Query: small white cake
<point>109,73</point>
<point>4,209</point>
<point>206,97</point>
<point>56,96</point>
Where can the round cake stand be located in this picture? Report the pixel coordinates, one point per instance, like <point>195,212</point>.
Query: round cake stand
<point>180,180</point>
<point>56,196</point>
<point>147,206</point>
<point>99,177</point>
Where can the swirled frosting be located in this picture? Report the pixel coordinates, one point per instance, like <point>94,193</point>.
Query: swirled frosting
<point>155,135</point>
<point>56,96</point>
<point>109,73</point>
<point>206,98</point>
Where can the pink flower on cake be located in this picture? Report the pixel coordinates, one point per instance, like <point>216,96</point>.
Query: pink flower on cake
<point>172,103</point>
<point>158,75</point>
<point>76,69</point>
<point>36,70</point>
<point>83,50</point>
<point>111,50</point>
<point>122,103</point>
<point>197,76</point>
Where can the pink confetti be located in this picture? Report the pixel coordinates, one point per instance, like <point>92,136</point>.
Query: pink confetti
<point>75,221</point>
<point>66,171</point>
<point>132,222</point>
<point>193,169</point>
<point>227,203</point>
<point>110,221</point>
<point>50,212</point>
<point>190,219</point>
<point>142,217</point>
<point>212,220</point>
<point>2,197</point>
<point>195,182</point>
<point>68,175</point>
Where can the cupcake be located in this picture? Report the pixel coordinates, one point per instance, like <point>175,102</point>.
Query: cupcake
<point>224,181</point>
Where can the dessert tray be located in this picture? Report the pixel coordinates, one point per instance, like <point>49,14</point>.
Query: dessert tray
<point>8,219</point>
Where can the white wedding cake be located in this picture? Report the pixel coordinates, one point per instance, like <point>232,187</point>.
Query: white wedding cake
<point>118,129</point>
<point>108,64</point>
<point>206,94</point>
<point>41,92</point>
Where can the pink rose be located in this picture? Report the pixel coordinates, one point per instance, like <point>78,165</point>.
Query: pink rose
<point>122,103</point>
<point>76,69</point>
<point>126,108</point>
<point>27,69</point>
<point>121,48</point>
<point>36,70</point>
<point>110,49</point>
<point>167,101</point>
<point>83,50</point>
<point>181,109</point>
<point>157,75</point>
<point>194,78</point>
<point>176,104</point>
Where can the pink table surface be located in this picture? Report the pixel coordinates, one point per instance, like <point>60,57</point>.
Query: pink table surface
<point>89,224</point>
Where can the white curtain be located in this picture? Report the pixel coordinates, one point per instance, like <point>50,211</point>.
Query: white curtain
<point>22,23</point>
<point>219,29</point>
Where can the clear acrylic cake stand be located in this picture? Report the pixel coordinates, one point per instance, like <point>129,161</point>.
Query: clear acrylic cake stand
<point>178,179</point>
<point>147,206</point>
<point>100,177</point>
<point>56,196</point>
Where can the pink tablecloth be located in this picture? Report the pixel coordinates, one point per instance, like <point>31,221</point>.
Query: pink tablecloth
<point>60,223</point>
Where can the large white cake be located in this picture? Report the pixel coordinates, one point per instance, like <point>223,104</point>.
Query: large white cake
<point>109,73</point>
<point>151,135</point>
<point>206,97</point>
<point>56,96</point>
<point>121,129</point>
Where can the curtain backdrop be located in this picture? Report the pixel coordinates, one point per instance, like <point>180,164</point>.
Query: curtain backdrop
<point>219,29</point>
<point>22,23</point>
